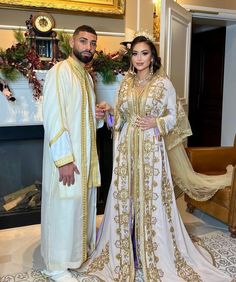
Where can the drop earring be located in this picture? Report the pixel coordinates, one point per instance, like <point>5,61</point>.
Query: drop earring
<point>131,69</point>
<point>151,68</point>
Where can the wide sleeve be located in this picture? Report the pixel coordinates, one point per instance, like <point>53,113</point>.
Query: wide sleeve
<point>54,115</point>
<point>167,121</point>
<point>119,117</point>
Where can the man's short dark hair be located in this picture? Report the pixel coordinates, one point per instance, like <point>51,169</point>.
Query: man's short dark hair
<point>86,28</point>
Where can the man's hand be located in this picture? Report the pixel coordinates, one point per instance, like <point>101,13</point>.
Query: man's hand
<point>100,112</point>
<point>66,174</point>
<point>106,107</point>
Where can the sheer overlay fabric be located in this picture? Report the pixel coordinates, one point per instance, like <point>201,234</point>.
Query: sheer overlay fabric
<point>198,186</point>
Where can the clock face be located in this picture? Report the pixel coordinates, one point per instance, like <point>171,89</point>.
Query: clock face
<point>43,22</point>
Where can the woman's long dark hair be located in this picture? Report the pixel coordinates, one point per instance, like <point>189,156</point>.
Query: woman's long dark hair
<point>156,60</point>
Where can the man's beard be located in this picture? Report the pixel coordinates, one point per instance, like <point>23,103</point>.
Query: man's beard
<point>81,58</point>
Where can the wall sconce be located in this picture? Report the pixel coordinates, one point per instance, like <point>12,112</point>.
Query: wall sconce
<point>156,19</point>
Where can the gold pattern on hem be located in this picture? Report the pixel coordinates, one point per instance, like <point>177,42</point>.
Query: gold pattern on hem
<point>184,271</point>
<point>100,261</point>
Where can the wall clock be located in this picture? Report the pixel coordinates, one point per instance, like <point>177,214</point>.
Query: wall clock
<point>43,22</point>
<point>41,36</point>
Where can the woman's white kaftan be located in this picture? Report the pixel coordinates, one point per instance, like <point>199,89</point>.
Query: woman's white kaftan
<point>141,216</point>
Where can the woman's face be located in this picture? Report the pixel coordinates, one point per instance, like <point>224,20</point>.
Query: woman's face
<point>141,57</point>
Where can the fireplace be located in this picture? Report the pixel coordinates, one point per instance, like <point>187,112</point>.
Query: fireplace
<point>21,151</point>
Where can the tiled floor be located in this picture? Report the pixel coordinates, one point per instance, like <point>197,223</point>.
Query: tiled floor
<point>20,247</point>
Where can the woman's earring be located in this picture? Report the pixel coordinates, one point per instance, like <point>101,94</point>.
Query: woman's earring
<point>151,68</point>
<point>131,69</point>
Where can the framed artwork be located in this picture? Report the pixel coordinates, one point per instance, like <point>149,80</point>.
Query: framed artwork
<point>105,7</point>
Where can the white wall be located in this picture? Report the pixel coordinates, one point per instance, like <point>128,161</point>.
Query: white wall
<point>229,101</point>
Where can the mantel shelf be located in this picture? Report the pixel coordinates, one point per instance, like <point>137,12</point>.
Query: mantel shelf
<point>21,123</point>
<point>25,110</point>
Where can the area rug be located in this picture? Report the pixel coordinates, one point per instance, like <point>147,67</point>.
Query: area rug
<point>221,246</point>
<point>223,249</point>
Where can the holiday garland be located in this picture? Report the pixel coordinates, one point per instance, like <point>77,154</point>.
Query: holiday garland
<point>21,58</point>
<point>110,65</point>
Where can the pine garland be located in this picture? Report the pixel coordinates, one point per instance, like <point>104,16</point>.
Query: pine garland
<point>110,65</point>
<point>22,59</point>
<point>107,65</point>
<point>64,43</point>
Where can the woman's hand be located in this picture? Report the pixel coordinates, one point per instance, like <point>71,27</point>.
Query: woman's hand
<point>100,112</point>
<point>106,107</point>
<point>146,122</point>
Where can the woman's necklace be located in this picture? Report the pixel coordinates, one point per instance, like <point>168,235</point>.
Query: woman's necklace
<point>143,81</point>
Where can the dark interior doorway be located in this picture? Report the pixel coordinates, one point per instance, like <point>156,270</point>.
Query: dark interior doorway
<point>206,84</point>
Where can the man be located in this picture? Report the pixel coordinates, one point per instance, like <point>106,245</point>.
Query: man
<point>70,163</point>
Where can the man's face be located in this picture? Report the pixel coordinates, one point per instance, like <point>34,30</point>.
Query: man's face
<point>83,46</point>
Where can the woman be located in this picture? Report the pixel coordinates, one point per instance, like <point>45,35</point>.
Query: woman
<point>142,230</point>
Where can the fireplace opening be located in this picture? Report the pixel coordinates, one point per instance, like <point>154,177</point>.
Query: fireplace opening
<point>21,152</point>
<point>21,157</point>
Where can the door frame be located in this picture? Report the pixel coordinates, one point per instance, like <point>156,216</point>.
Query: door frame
<point>200,12</point>
<point>174,16</point>
<point>229,17</point>
<point>210,13</point>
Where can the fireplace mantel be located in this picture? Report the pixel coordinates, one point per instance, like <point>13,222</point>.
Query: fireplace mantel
<point>21,142</point>
<point>25,110</point>
<point>21,166</point>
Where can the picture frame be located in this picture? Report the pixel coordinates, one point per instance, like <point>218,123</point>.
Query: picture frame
<point>100,7</point>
